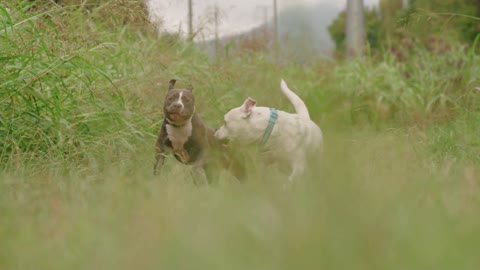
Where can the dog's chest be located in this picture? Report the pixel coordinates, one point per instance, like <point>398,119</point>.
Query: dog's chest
<point>179,135</point>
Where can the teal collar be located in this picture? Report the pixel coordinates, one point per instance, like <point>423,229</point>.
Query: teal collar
<point>271,124</point>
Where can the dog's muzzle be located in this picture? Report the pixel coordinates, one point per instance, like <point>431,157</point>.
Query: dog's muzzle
<point>219,137</point>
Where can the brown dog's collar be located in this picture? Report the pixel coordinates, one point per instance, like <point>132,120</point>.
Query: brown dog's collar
<point>170,122</point>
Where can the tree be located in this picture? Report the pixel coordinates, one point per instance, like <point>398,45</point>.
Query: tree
<point>434,23</point>
<point>451,19</point>
<point>374,32</point>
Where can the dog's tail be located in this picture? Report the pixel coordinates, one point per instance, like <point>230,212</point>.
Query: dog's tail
<point>297,103</point>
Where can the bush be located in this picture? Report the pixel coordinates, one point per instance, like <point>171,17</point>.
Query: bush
<point>426,88</point>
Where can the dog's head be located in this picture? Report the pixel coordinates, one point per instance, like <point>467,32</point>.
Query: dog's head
<point>240,124</point>
<point>179,104</point>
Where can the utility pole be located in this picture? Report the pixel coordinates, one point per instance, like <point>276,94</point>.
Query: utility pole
<point>190,21</point>
<point>215,15</point>
<point>275,30</point>
<point>355,32</point>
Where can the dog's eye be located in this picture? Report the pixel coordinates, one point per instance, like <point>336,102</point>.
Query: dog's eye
<point>186,100</point>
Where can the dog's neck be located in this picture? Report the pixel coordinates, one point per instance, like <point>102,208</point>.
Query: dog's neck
<point>179,135</point>
<point>177,125</point>
<point>268,130</point>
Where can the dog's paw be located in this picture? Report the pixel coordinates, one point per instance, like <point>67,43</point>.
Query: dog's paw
<point>182,155</point>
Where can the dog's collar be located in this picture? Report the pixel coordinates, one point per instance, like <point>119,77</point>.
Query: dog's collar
<point>271,124</point>
<point>170,122</point>
<point>173,123</point>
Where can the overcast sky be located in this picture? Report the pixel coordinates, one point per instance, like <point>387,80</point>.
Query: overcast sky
<point>235,15</point>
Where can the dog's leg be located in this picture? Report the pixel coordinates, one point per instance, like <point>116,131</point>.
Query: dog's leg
<point>197,175</point>
<point>159,153</point>
<point>159,160</point>
<point>180,152</point>
<point>209,168</point>
<point>237,167</point>
<point>297,169</point>
<point>210,173</point>
<point>230,161</point>
<point>199,168</point>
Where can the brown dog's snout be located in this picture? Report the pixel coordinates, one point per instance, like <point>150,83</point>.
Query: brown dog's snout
<point>176,106</point>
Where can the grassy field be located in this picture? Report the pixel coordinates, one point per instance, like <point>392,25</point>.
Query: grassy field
<point>80,107</point>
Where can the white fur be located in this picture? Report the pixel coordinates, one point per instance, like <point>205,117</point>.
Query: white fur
<point>293,137</point>
<point>179,135</point>
<point>179,101</point>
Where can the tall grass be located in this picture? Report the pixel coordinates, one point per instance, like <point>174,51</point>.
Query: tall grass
<point>63,95</point>
<point>80,109</point>
<point>428,88</point>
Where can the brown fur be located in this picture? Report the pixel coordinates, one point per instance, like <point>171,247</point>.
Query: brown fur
<point>201,149</point>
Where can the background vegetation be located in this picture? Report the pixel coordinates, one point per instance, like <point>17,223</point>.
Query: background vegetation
<point>81,89</point>
<point>433,24</point>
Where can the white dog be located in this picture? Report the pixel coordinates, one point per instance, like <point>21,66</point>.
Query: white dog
<point>285,137</point>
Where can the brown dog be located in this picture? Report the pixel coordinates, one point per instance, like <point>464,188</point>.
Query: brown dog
<point>184,134</point>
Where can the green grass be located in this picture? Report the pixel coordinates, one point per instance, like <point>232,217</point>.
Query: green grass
<point>80,108</point>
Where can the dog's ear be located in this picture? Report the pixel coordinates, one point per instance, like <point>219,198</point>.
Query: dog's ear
<point>171,84</point>
<point>190,88</point>
<point>248,106</point>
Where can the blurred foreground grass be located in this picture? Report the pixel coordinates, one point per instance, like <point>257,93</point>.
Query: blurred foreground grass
<point>80,108</point>
<point>376,202</point>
